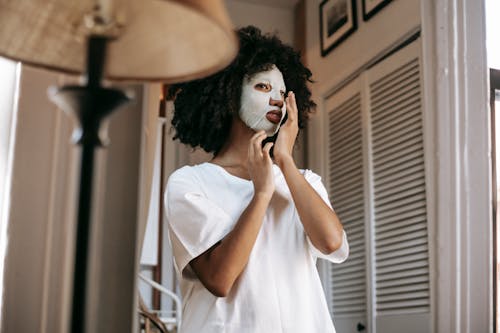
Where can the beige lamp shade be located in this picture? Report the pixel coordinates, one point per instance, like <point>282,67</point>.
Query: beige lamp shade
<point>159,40</point>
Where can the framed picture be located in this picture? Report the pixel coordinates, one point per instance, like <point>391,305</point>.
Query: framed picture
<point>371,7</point>
<point>337,21</point>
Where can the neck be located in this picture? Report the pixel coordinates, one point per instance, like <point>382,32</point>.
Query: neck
<point>235,150</point>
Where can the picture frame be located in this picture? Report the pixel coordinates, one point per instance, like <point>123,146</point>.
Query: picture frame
<point>372,7</point>
<point>337,21</point>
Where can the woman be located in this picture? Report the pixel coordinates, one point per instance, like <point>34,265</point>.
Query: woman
<point>246,232</point>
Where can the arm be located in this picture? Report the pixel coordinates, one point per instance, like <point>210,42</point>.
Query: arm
<point>220,266</point>
<point>320,222</point>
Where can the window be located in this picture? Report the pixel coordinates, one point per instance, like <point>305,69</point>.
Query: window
<point>9,87</point>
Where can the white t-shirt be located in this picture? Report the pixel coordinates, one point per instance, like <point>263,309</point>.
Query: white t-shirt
<point>279,290</point>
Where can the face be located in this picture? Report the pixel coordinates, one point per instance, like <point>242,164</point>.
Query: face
<point>262,101</point>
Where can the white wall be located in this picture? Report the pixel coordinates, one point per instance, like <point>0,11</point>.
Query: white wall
<point>269,18</point>
<point>371,38</point>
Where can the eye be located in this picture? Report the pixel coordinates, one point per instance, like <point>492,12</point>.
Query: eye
<point>282,93</point>
<point>263,86</point>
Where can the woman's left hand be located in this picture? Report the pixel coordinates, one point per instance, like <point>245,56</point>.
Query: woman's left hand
<point>285,141</point>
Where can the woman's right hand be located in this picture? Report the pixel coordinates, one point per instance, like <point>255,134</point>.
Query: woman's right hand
<point>260,165</point>
<point>220,266</point>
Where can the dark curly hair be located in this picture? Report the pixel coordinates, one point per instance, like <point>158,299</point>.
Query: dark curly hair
<point>204,109</point>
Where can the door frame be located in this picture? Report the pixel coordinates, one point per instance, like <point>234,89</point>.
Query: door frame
<point>494,85</point>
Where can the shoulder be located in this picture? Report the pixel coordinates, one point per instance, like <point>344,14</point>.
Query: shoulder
<point>186,177</point>
<point>310,176</point>
<point>185,172</point>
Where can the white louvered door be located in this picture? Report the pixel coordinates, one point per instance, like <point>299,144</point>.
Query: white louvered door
<point>401,255</point>
<point>347,283</point>
<point>377,183</point>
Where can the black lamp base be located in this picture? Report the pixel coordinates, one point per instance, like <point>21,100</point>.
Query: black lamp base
<point>90,105</point>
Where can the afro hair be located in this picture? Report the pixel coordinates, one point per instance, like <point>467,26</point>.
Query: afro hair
<point>204,108</point>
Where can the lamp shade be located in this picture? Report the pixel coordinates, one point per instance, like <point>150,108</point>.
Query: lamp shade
<point>159,40</point>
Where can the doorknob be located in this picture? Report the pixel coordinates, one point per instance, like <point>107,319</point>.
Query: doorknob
<point>360,327</point>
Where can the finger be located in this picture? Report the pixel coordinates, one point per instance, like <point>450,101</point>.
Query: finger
<point>267,148</point>
<point>257,134</point>
<point>251,152</point>
<point>258,138</point>
<point>256,143</point>
<point>291,106</point>
<point>251,146</point>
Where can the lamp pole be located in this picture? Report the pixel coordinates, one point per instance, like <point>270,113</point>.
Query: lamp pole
<point>90,104</point>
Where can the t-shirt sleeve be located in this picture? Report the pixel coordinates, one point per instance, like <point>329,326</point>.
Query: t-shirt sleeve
<point>342,252</point>
<point>195,223</point>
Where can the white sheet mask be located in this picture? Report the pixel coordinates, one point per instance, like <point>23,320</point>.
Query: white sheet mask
<point>255,103</point>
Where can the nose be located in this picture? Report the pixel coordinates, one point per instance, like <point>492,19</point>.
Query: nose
<point>276,102</point>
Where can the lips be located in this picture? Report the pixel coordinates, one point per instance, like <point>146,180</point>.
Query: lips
<point>274,116</point>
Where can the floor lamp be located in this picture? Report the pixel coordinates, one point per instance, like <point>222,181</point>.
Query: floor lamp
<point>123,40</point>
